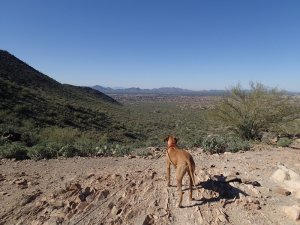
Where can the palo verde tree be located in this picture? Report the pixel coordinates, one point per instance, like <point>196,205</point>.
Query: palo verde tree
<point>248,112</point>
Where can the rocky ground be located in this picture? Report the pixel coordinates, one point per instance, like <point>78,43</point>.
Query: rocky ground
<point>255,187</point>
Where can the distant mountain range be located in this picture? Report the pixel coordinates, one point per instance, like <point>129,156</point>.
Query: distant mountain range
<point>162,90</point>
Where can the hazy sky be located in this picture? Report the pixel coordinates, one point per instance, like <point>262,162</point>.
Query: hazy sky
<point>211,44</point>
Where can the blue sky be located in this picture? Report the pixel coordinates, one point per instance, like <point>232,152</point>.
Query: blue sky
<point>211,44</point>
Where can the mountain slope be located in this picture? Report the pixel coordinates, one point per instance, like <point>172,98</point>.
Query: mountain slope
<point>14,70</point>
<point>31,100</point>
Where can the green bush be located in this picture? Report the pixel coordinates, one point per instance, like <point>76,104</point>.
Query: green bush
<point>30,139</point>
<point>142,152</point>
<point>249,112</point>
<point>113,150</point>
<point>44,151</point>
<point>3,141</point>
<point>60,135</point>
<point>214,144</point>
<point>222,143</point>
<point>14,150</point>
<point>284,142</point>
<point>121,150</point>
<point>86,147</point>
<point>69,151</point>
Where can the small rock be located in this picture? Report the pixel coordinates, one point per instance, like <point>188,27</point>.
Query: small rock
<point>114,211</point>
<point>144,220</point>
<point>222,218</point>
<point>57,213</point>
<point>70,215</point>
<point>2,178</point>
<point>102,195</point>
<point>253,183</point>
<point>227,153</point>
<point>89,175</point>
<point>293,212</point>
<point>73,186</point>
<point>58,204</point>
<point>279,175</point>
<point>256,184</point>
<point>254,190</point>
<point>71,204</point>
<point>20,181</point>
<point>29,198</point>
<point>282,191</point>
<point>90,198</point>
<point>115,176</point>
<point>80,198</point>
<point>3,193</point>
<point>82,205</point>
<point>152,174</point>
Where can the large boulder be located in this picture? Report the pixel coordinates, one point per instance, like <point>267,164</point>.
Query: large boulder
<point>288,179</point>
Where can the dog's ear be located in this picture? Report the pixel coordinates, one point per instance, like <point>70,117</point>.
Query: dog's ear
<point>166,139</point>
<point>176,140</point>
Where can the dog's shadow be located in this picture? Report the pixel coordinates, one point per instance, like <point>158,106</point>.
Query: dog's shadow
<point>221,186</point>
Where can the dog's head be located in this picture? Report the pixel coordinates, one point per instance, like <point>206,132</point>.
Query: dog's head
<point>171,140</point>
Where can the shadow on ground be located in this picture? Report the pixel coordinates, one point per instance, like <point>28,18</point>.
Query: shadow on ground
<point>220,185</point>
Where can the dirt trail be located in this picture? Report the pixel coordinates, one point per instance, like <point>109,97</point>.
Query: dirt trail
<point>127,190</point>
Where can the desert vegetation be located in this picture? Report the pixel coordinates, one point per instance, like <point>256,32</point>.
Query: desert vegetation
<point>228,124</point>
<point>223,124</point>
<point>249,112</point>
<point>41,118</point>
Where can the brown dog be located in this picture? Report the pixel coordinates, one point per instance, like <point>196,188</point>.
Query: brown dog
<point>183,163</point>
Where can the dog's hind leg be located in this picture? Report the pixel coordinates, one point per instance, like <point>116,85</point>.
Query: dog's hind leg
<point>168,172</point>
<point>191,188</point>
<point>180,171</point>
<point>191,172</point>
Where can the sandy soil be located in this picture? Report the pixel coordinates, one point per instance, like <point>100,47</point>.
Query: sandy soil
<point>132,190</point>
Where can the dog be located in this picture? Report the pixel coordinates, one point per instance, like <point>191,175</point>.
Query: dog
<point>183,162</point>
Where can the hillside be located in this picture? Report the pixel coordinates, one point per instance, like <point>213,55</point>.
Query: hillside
<point>31,101</point>
<point>42,118</point>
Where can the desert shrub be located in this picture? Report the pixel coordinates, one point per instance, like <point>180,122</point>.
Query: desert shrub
<point>235,144</point>
<point>198,142</point>
<point>69,151</point>
<point>248,112</point>
<point>30,139</point>
<point>214,144</point>
<point>44,150</point>
<point>222,143</point>
<point>119,150</point>
<point>86,147</point>
<point>104,150</point>
<point>113,150</point>
<point>3,141</point>
<point>60,135</point>
<point>13,150</point>
<point>268,137</point>
<point>284,142</point>
<point>142,152</point>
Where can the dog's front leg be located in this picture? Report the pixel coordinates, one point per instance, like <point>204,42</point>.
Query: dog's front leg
<point>168,172</point>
